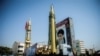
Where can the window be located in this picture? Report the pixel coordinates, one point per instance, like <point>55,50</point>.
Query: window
<point>20,46</point>
<point>69,49</point>
<point>20,51</point>
<point>77,46</point>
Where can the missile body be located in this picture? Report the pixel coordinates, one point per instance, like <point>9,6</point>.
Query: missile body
<point>52,31</point>
<point>28,34</point>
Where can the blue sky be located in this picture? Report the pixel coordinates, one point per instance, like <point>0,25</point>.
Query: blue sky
<point>14,14</point>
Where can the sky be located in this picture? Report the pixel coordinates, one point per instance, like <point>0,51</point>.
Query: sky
<point>14,14</point>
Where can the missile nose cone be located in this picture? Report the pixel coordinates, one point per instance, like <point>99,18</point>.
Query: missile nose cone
<point>29,21</point>
<point>52,9</point>
<point>28,24</point>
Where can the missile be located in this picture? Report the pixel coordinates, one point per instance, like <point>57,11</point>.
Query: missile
<point>52,30</point>
<point>28,34</point>
<point>28,25</point>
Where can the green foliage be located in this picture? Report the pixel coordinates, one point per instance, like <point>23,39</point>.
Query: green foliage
<point>5,50</point>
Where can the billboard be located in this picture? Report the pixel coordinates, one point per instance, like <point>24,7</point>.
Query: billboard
<point>61,34</point>
<point>66,27</point>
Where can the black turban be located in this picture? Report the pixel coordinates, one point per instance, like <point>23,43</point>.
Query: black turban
<point>61,31</point>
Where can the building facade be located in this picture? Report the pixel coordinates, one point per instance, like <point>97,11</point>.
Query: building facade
<point>80,47</point>
<point>18,48</point>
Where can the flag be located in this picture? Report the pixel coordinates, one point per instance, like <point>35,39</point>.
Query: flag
<point>26,26</point>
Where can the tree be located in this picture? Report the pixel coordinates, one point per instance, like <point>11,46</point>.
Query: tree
<point>87,52</point>
<point>5,50</point>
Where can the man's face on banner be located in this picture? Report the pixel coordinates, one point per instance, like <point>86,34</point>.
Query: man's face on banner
<point>60,34</point>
